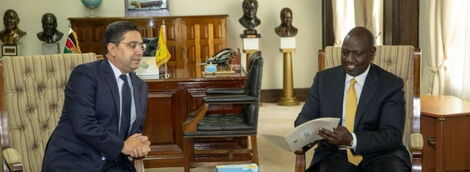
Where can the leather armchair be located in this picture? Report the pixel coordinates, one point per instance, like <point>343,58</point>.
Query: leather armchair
<point>31,100</point>
<point>201,123</point>
<point>403,61</point>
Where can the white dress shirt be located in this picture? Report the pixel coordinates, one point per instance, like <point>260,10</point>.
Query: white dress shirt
<point>360,80</point>
<point>120,82</point>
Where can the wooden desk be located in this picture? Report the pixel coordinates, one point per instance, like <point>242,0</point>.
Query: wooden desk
<point>169,101</point>
<point>445,127</point>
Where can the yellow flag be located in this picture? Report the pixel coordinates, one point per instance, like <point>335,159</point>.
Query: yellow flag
<point>162,54</point>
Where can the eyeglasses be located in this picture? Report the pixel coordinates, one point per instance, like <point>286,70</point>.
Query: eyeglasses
<point>135,45</point>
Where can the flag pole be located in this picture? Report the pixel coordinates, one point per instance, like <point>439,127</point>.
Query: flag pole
<point>164,30</point>
<point>163,27</point>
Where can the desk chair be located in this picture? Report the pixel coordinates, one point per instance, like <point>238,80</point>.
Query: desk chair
<point>403,61</point>
<point>202,124</point>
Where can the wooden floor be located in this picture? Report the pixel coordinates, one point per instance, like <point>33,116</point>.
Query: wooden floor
<point>274,120</point>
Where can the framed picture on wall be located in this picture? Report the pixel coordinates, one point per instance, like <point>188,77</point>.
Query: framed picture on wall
<point>140,8</point>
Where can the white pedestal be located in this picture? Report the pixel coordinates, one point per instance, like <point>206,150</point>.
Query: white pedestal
<point>287,43</point>
<point>250,44</point>
<point>50,48</point>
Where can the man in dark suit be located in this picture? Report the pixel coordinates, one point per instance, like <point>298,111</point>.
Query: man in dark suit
<point>370,102</point>
<point>104,110</point>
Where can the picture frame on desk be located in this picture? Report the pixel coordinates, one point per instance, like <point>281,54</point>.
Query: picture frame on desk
<point>142,8</point>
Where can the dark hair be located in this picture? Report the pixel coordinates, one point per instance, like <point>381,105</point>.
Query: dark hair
<point>286,10</point>
<point>44,17</point>
<point>10,11</point>
<point>248,2</point>
<point>115,32</point>
<point>370,38</point>
<point>362,31</point>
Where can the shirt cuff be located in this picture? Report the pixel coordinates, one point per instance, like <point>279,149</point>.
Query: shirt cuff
<point>354,142</point>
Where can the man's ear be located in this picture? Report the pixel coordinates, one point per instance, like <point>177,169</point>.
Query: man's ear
<point>372,53</point>
<point>373,49</point>
<point>111,49</point>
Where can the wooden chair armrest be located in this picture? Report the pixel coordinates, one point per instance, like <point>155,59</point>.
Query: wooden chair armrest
<point>416,148</point>
<point>139,164</point>
<point>300,157</point>
<point>13,159</point>
<point>225,91</point>
<point>191,125</point>
<point>305,148</point>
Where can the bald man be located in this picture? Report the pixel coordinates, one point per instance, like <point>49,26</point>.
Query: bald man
<point>50,34</point>
<point>379,119</point>
<point>286,29</point>
<point>249,19</point>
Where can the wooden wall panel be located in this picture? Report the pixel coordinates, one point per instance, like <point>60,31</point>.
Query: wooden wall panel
<point>401,22</point>
<point>186,35</point>
<point>405,22</point>
<point>164,132</point>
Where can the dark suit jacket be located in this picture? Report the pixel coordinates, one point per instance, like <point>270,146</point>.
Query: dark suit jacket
<point>380,115</point>
<point>87,133</point>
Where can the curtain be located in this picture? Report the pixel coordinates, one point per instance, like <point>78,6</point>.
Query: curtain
<point>367,13</point>
<point>436,46</point>
<point>449,40</point>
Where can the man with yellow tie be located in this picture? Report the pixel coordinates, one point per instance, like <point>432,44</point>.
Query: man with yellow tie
<point>370,102</point>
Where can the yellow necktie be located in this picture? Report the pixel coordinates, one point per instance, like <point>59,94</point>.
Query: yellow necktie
<point>351,106</point>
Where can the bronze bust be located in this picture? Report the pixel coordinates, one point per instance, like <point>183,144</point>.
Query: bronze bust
<point>249,19</point>
<point>50,34</point>
<point>12,34</point>
<point>286,29</point>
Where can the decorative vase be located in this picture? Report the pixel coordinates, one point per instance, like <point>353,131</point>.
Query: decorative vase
<point>92,5</point>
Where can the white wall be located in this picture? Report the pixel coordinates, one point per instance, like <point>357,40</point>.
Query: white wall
<point>307,18</point>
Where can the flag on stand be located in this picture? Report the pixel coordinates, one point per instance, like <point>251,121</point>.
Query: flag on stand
<point>162,54</point>
<point>71,44</point>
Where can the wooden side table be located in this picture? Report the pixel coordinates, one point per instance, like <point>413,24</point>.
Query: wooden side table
<point>445,125</point>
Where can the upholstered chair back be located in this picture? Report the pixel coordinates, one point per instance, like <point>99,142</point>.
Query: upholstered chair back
<point>254,78</point>
<point>32,100</point>
<point>254,74</point>
<point>402,61</point>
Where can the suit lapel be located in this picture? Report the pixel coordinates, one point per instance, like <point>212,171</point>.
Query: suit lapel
<point>137,100</point>
<point>338,80</point>
<point>368,91</point>
<point>112,84</point>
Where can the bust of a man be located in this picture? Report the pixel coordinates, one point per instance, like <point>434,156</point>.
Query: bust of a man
<point>50,34</point>
<point>249,19</point>
<point>12,34</point>
<point>286,29</point>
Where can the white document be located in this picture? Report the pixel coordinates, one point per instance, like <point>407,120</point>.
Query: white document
<point>148,68</point>
<point>307,132</point>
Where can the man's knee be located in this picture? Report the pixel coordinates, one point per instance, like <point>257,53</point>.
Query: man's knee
<point>333,164</point>
<point>389,164</point>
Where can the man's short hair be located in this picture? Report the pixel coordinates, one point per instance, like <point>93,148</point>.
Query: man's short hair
<point>285,10</point>
<point>52,16</point>
<point>362,31</point>
<point>247,3</point>
<point>115,32</point>
<point>10,11</point>
<point>370,38</point>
